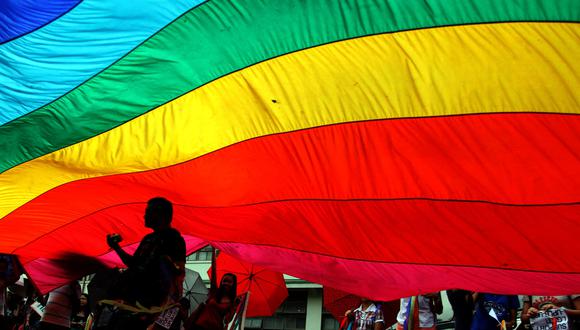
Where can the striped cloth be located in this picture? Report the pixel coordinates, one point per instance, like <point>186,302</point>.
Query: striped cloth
<point>60,304</point>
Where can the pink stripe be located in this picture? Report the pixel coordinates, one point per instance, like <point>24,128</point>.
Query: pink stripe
<point>388,281</point>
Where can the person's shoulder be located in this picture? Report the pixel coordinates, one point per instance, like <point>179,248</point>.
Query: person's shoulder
<point>149,236</point>
<point>175,233</point>
<point>171,236</point>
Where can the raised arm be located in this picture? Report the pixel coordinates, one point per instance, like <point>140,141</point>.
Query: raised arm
<point>113,242</point>
<point>528,311</point>
<point>213,279</point>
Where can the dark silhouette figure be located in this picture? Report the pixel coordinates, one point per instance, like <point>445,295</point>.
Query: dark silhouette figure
<point>462,304</point>
<point>156,270</point>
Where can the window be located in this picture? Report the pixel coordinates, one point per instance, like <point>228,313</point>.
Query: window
<point>295,323</point>
<point>202,255</point>
<point>329,323</point>
<point>253,324</point>
<point>273,323</point>
<point>294,307</point>
<point>290,316</point>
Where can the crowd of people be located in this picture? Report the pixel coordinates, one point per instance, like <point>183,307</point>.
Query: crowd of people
<point>148,294</point>
<point>471,311</point>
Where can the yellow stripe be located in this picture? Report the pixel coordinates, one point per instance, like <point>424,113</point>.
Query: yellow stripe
<point>446,71</point>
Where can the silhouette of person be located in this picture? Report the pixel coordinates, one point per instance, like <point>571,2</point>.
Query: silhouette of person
<point>462,304</point>
<point>156,270</point>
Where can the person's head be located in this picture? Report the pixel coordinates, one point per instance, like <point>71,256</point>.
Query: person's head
<point>228,286</point>
<point>83,299</point>
<point>82,305</point>
<point>158,213</point>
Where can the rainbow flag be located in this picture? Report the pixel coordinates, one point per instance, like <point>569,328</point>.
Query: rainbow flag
<point>385,148</point>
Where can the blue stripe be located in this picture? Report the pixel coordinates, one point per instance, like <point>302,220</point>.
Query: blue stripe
<point>18,17</point>
<point>47,63</point>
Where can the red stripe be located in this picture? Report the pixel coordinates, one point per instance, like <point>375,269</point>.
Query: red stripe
<point>454,233</point>
<point>506,158</point>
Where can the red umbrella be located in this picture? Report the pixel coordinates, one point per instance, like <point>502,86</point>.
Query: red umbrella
<point>267,288</point>
<point>337,302</point>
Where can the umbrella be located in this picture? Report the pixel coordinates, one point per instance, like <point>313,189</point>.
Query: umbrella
<point>337,302</point>
<point>194,289</point>
<point>267,288</point>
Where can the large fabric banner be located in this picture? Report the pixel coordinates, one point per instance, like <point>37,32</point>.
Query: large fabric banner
<point>385,148</point>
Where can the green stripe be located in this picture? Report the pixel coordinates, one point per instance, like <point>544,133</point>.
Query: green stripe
<point>220,37</point>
